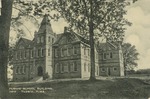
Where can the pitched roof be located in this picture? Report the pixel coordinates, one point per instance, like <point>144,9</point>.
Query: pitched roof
<point>45,25</point>
<point>79,37</point>
<point>103,46</point>
<point>27,42</point>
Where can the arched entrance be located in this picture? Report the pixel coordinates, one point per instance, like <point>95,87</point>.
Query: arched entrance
<point>40,71</point>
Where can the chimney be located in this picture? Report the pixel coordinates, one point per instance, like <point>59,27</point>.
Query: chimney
<point>65,29</point>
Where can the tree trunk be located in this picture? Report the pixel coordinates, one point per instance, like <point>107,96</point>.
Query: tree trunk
<point>92,76</point>
<point>91,31</point>
<point>5,19</point>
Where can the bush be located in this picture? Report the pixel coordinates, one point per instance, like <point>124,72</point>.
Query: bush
<point>45,76</point>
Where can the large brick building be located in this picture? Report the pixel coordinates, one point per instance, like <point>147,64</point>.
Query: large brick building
<point>65,55</point>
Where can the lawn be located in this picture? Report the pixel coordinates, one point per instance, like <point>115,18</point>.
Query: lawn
<point>121,88</point>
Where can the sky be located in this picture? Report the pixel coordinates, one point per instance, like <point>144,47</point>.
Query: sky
<point>138,34</point>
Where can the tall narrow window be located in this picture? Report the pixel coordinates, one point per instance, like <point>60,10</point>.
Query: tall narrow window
<point>38,39</point>
<point>25,54</point>
<point>21,54</point>
<point>49,39</point>
<point>88,52</point>
<point>88,67</point>
<point>42,39</point>
<point>38,52</point>
<point>111,55</point>
<point>75,66</point>
<point>84,66</point>
<point>75,49</point>
<point>49,52</point>
<point>42,52</point>
<point>69,69</point>
<point>17,70</point>
<point>62,52</point>
<point>16,55</point>
<point>84,51</point>
<point>62,68</point>
<point>52,40</point>
<point>104,55</point>
<point>31,53</point>
<point>56,68</point>
<point>56,52</point>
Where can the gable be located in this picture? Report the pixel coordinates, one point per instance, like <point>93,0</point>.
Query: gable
<point>107,46</point>
<point>20,45</point>
<point>67,38</point>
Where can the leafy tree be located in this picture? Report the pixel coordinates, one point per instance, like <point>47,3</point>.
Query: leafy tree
<point>94,18</point>
<point>130,55</point>
<point>5,20</point>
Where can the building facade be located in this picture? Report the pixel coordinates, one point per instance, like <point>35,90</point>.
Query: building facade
<point>110,59</point>
<point>65,55</point>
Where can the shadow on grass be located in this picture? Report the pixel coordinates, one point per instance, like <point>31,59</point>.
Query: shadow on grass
<point>124,88</point>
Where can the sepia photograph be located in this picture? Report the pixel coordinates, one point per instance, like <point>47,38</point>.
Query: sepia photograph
<point>74,49</point>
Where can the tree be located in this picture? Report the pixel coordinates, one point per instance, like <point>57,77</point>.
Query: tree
<point>130,55</point>
<point>5,19</point>
<point>91,18</point>
<point>94,18</point>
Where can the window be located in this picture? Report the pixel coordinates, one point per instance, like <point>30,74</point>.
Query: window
<point>42,39</point>
<point>88,67</point>
<point>49,39</point>
<point>17,70</point>
<point>62,68</point>
<point>88,52</point>
<point>24,69</point>
<point>63,52</point>
<point>31,53</point>
<point>66,67</point>
<point>56,68</point>
<point>25,54</point>
<point>52,40</point>
<point>75,66</point>
<point>68,51</point>
<point>49,52</point>
<point>56,53</point>
<point>115,69</point>
<point>104,55</point>
<point>69,69</point>
<point>42,52</point>
<point>21,54</point>
<point>38,52</point>
<point>75,50</point>
<point>111,55</point>
<point>21,69</point>
<point>38,39</point>
<point>84,66</point>
<point>102,69</point>
<point>84,51</point>
<point>16,55</point>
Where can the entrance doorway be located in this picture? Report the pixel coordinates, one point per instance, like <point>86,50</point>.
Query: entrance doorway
<point>40,71</point>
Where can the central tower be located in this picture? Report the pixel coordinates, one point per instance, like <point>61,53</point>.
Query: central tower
<point>44,39</point>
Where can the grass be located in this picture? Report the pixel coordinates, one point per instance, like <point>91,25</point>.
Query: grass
<point>121,88</point>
